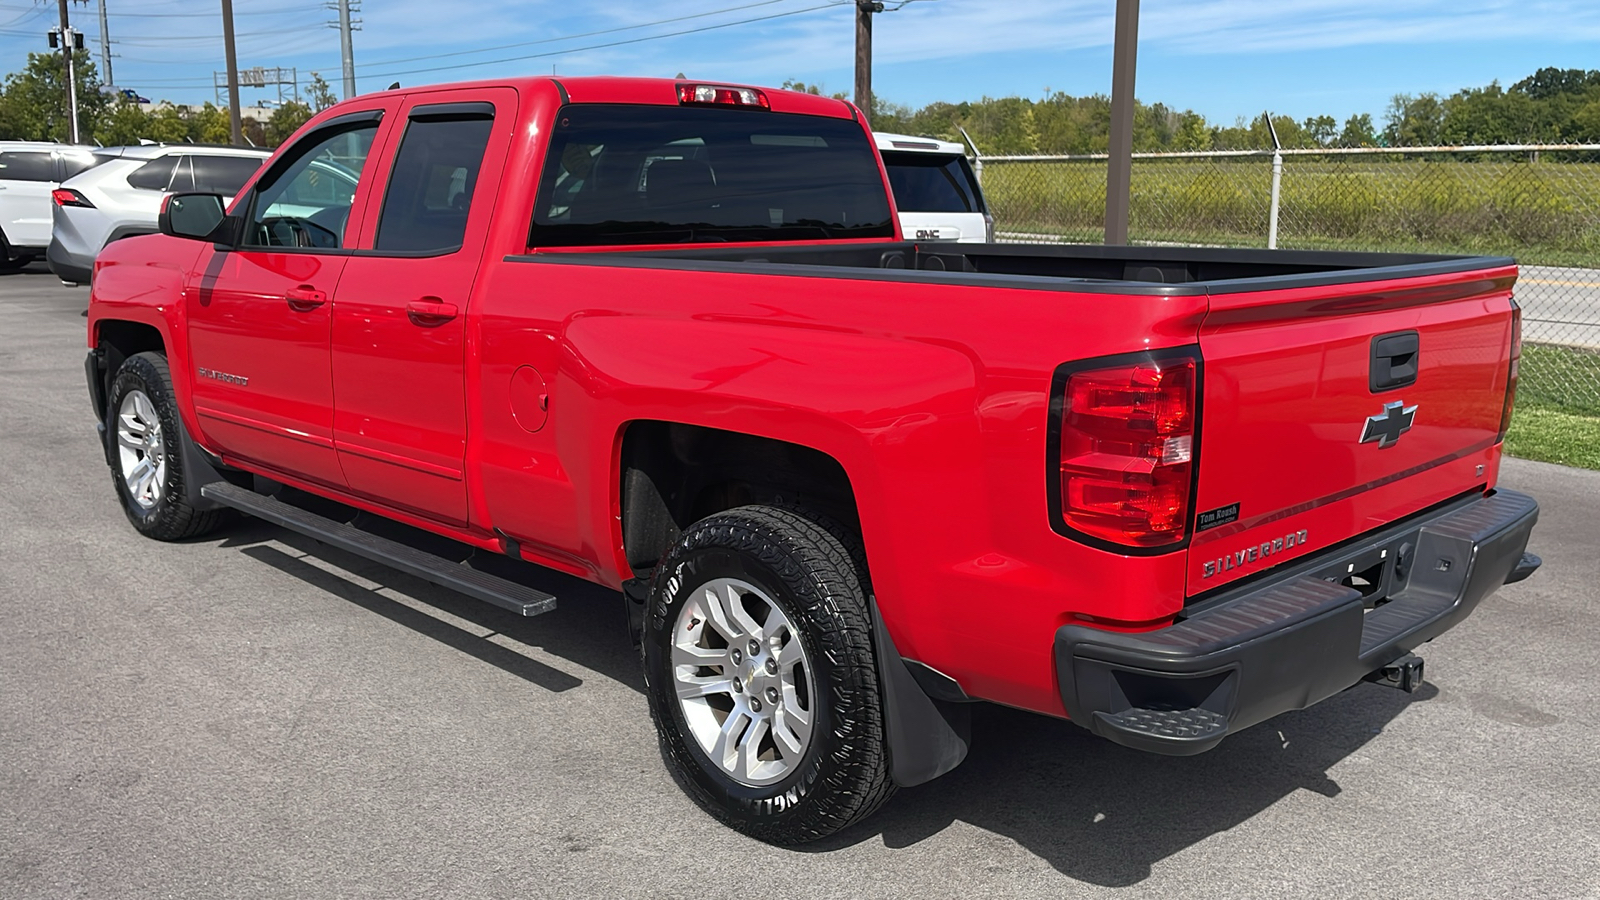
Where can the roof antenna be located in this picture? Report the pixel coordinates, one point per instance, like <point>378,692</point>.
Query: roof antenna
<point>395,86</point>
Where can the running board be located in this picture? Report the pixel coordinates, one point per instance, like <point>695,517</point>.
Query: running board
<point>458,577</point>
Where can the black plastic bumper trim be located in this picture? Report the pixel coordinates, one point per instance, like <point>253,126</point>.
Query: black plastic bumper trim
<point>64,266</point>
<point>1290,641</point>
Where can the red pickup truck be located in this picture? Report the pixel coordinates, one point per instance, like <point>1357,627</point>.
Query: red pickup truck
<point>666,337</point>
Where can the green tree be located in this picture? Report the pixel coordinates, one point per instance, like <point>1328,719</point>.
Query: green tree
<point>124,123</point>
<point>1324,130</point>
<point>167,126</point>
<point>1193,133</point>
<point>285,121</point>
<point>33,106</point>
<point>210,125</point>
<point>1358,132</point>
<point>1552,82</point>
<point>322,96</point>
<point>1414,121</point>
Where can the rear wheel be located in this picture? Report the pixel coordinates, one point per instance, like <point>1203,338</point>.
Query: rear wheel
<point>147,457</point>
<point>761,676</point>
<point>10,259</point>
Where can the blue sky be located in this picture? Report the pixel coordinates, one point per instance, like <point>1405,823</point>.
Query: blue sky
<point>1222,58</point>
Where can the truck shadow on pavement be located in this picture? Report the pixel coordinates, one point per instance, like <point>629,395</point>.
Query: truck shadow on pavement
<point>1096,812</point>
<point>586,627</point>
<point>1105,814</point>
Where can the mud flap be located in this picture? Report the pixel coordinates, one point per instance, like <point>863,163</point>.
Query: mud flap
<point>927,737</point>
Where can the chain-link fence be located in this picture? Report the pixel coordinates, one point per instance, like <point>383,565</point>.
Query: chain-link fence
<point>1539,204</point>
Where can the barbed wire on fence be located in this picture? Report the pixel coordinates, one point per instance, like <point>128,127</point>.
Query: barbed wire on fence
<point>1537,203</point>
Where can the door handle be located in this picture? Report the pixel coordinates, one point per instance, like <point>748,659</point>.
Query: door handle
<point>430,312</point>
<point>304,298</point>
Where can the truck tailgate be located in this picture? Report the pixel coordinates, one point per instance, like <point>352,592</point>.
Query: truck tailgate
<point>1313,430</point>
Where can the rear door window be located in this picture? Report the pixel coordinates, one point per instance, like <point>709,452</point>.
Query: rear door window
<point>931,182</point>
<point>74,163</point>
<point>224,175</point>
<point>23,165</point>
<point>430,188</point>
<point>182,176</point>
<point>653,174</point>
<point>154,175</point>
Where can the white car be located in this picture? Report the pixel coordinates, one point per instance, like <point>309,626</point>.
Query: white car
<point>935,190</point>
<point>121,197</point>
<point>29,171</point>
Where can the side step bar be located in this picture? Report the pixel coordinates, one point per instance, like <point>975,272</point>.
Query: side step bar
<point>518,598</point>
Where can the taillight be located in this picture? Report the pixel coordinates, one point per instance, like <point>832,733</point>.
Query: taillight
<point>718,95</point>
<point>70,197</point>
<point>1127,451</point>
<point>1512,373</point>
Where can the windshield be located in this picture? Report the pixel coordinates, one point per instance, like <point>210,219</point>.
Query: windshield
<point>648,174</point>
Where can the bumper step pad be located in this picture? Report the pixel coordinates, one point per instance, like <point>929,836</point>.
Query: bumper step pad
<point>1179,724</point>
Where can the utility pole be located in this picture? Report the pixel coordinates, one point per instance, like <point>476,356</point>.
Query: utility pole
<point>235,126</point>
<point>105,48</point>
<point>347,51</point>
<point>864,11</point>
<point>1119,168</point>
<point>72,81</point>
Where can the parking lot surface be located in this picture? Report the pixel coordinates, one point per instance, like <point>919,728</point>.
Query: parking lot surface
<point>252,715</point>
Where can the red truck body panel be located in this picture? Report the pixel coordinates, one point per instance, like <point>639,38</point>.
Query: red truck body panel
<point>506,416</point>
<point>1287,372</point>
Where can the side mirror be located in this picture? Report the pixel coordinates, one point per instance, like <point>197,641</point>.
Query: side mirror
<point>199,217</point>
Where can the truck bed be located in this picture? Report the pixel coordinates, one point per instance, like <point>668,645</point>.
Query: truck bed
<point>1078,267</point>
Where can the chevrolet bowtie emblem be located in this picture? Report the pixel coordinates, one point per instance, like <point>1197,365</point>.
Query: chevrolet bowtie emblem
<point>1387,426</point>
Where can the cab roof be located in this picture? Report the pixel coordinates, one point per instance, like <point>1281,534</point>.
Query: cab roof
<point>648,91</point>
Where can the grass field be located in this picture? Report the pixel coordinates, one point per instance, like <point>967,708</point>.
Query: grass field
<point>1557,418</point>
<point>1554,435</point>
<point>1542,213</point>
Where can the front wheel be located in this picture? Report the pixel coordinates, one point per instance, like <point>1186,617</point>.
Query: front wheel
<point>147,456</point>
<point>761,677</point>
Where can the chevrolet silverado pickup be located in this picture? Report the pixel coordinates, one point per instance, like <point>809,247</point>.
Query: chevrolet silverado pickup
<point>667,337</point>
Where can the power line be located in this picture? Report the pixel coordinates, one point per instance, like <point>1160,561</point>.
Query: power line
<point>832,4</point>
<point>640,40</point>
<point>212,15</point>
<point>574,37</point>
<point>152,40</point>
<point>32,13</point>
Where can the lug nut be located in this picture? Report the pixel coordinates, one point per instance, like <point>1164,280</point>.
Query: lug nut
<point>772,667</point>
<point>755,705</point>
<point>772,695</point>
<point>737,687</point>
<point>737,656</point>
<point>755,647</point>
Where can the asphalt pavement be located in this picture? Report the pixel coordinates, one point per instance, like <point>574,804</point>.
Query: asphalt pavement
<point>1560,306</point>
<point>253,716</point>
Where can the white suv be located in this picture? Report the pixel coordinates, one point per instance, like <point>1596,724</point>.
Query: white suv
<point>935,191</point>
<point>29,171</point>
<point>121,197</point>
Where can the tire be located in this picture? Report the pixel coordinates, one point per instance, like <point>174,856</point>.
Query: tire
<point>10,260</point>
<point>147,462</point>
<point>815,657</point>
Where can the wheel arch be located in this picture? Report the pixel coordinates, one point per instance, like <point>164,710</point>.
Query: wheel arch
<point>672,474</point>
